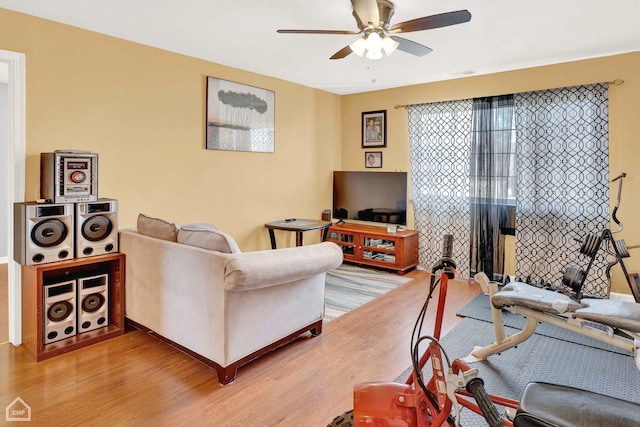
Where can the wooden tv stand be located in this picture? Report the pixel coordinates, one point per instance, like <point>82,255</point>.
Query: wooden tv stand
<point>34,312</point>
<point>374,246</point>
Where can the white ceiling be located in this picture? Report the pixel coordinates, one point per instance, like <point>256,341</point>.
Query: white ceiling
<point>502,35</point>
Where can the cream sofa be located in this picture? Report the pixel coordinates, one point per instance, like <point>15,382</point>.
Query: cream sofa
<point>193,287</point>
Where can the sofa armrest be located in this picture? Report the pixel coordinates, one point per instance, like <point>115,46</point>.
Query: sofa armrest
<point>260,269</point>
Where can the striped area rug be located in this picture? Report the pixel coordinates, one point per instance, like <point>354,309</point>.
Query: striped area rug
<point>348,287</point>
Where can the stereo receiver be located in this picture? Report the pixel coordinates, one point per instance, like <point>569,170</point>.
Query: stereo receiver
<point>69,176</point>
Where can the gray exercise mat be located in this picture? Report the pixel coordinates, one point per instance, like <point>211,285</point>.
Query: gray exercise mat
<point>542,359</point>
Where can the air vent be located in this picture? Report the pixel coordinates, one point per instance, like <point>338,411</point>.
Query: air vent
<point>463,73</point>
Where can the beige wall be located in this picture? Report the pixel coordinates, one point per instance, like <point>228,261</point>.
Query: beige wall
<point>143,110</point>
<point>624,126</point>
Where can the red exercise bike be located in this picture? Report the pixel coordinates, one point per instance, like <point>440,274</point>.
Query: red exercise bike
<point>437,402</point>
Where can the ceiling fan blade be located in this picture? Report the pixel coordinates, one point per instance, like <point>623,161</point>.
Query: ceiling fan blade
<point>342,53</point>
<point>317,32</point>
<point>367,11</point>
<point>411,47</point>
<point>431,22</point>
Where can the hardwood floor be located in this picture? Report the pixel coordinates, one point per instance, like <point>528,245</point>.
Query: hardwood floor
<point>137,380</point>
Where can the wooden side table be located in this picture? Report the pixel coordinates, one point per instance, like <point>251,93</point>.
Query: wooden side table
<point>298,226</point>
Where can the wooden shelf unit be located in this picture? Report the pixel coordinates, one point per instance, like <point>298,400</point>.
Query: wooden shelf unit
<point>33,279</point>
<point>374,246</point>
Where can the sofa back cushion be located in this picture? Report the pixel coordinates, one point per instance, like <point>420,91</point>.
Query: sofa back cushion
<point>157,227</point>
<point>207,238</point>
<point>200,225</point>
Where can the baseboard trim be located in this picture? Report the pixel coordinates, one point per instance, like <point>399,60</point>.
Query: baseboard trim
<point>4,260</point>
<point>621,297</point>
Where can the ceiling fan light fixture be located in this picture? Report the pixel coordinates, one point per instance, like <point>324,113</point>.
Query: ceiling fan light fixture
<point>373,54</point>
<point>372,18</point>
<point>372,46</point>
<point>389,45</point>
<point>359,46</point>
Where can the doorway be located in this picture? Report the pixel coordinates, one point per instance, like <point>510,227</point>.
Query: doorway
<point>4,156</point>
<point>14,176</point>
<point>4,304</point>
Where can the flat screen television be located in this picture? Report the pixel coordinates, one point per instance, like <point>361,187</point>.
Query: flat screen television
<point>370,196</point>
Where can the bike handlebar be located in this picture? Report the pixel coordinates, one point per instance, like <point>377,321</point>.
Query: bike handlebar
<point>476,387</point>
<point>445,263</point>
<point>447,246</point>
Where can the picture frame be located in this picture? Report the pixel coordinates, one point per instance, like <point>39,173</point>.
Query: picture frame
<point>239,117</point>
<point>374,129</point>
<point>373,159</point>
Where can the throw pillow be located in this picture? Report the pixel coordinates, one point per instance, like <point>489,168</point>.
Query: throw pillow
<point>214,240</point>
<point>158,228</point>
<point>200,226</point>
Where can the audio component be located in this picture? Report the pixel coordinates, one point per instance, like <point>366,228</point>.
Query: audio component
<point>93,302</point>
<point>42,232</point>
<point>96,227</point>
<point>59,314</point>
<point>69,176</point>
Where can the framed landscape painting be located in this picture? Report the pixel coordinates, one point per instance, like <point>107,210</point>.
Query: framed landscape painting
<point>239,117</point>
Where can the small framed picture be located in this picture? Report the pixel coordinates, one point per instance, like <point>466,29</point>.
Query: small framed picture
<point>374,129</point>
<point>373,159</point>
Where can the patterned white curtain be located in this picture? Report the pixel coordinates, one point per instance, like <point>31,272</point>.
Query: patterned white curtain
<point>563,189</point>
<point>440,143</point>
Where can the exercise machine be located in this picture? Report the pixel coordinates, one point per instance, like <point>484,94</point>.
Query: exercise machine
<point>436,401</point>
<point>612,322</point>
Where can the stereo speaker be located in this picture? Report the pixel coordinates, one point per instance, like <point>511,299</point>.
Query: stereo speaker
<point>59,314</point>
<point>96,227</point>
<point>43,232</point>
<point>93,302</point>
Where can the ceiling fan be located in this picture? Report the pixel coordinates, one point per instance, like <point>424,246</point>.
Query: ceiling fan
<point>378,39</point>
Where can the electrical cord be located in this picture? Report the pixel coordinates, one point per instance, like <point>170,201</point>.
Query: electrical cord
<point>435,341</point>
<point>417,329</point>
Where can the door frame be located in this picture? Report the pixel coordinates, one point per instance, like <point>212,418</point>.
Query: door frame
<point>16,182</point>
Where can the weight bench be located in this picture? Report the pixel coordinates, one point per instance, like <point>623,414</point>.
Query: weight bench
<point>609,321</point>
<point>550,405</point>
